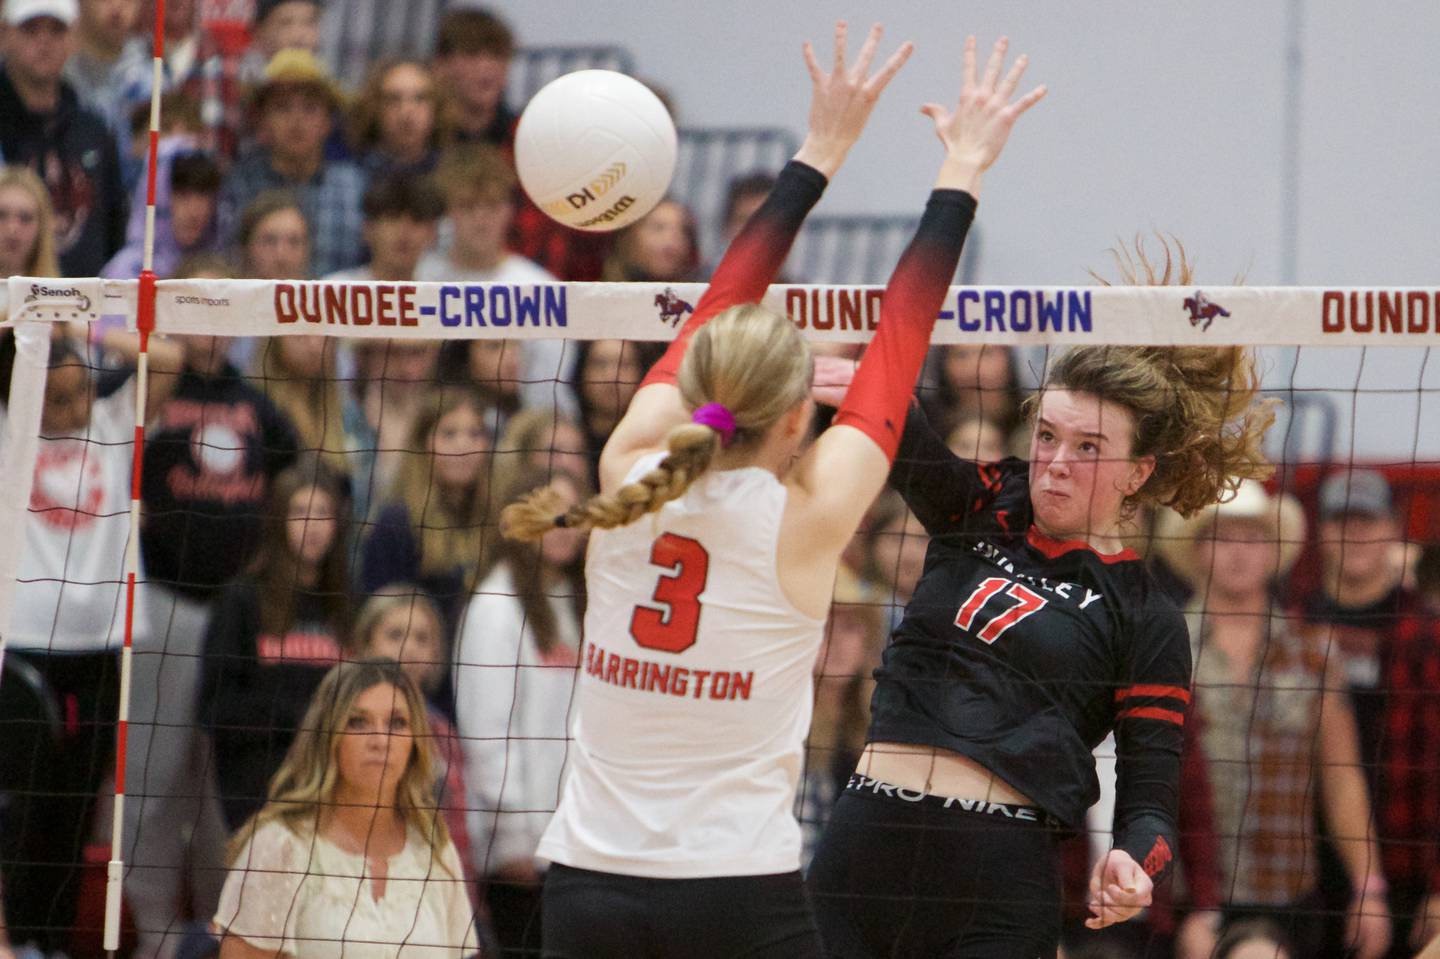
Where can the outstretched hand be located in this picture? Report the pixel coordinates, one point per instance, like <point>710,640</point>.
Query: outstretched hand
<point>976,129</point>
<point>841,99</point>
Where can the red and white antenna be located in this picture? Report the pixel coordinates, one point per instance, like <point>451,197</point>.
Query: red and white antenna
<point>145,323</point>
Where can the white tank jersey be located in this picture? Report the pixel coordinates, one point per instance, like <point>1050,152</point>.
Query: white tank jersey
<point>695,692</point>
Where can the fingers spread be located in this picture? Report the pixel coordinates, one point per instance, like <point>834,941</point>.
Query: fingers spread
<point>1012,79</point>
<point>811,64</point>
<point>1029,100</point>
<point>969,82</point>
<point>997,60</point>
<point>867,50</point>
<point>892,66</point>
<point>841,32</point>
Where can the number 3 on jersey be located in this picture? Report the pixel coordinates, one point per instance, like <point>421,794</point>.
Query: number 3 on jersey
<point>688,567</point>
<point>1027,603</point>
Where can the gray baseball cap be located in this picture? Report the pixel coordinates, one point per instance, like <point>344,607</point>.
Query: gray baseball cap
<point>1358,491</point>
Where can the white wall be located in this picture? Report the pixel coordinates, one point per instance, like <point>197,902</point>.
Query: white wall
<point>1163,116</point>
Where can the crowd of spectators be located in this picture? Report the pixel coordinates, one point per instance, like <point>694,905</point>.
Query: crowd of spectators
<point>309,502</point>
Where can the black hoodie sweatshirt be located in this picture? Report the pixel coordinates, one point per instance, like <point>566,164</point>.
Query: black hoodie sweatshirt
<point>74,153</point>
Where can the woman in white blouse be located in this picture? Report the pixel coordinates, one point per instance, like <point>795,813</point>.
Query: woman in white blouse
<point>348,857</point>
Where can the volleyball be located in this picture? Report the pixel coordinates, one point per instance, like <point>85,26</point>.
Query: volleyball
<point>595,150</point>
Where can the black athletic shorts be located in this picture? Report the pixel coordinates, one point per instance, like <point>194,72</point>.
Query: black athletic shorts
<point>601,915</point>
<point>900,873</point>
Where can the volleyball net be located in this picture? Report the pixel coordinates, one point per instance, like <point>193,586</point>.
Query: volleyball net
<point>542,371</point>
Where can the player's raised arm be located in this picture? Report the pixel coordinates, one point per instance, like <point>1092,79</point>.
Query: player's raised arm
<point>868,427</point>
<point>841,102</point>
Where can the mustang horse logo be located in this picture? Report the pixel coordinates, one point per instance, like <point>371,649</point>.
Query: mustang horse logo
<point>672,308</point>
<point>1203,311</point>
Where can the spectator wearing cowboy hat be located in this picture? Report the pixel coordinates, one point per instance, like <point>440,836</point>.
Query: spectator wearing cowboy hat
<point>1275,724</point>
<point>294,107</point>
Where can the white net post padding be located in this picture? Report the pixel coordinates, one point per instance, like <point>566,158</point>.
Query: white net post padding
<point>17,456</point>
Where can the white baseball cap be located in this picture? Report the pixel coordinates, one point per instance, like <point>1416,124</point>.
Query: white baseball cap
<point>23,11</point>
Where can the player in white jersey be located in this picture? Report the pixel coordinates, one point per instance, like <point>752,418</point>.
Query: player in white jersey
<point>710,574</point>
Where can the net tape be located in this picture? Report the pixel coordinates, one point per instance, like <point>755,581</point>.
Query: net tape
<point>1041,315</point>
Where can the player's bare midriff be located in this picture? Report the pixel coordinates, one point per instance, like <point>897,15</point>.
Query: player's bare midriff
<point>936,771</point>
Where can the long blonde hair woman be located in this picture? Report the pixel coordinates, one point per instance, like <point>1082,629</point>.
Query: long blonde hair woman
<point>27,225</point>
<point>717,539</point>
<point>351,819</point>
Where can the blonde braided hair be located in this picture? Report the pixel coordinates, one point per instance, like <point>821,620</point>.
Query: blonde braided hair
<point>752,361</point>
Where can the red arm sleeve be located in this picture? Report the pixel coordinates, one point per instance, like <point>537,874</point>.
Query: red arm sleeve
<point>752,260</point>
<point>880,393</point>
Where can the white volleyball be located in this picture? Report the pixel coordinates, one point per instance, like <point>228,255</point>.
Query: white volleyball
<point>595,150</point>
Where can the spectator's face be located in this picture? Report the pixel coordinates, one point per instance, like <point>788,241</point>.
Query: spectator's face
<point>481,224</point>
<point>290,26</point>
<point>304,356</point>
<point>740,214</point>
<point>477,80</point>
<point>407,111</point>
<point>295,123</point>
<point>179,16</point>
<point>1237,557</point>
<point>495,365</point>
<point>36,51</point>
<point>19,230</point>
<point>610,377</point>
<point>376,744</point>
<point>410,635</point>
<point>397,243</point>
<point>408,361</point>
<point>310,525</point>
<point>460,445</point>
<point>279,248</point>
<point>110,21</point>
<point>67,399</point>
<point>561,547</point>
<point>661,243</point>
<point>899,554</point>
<point>565,454</point>
<point>190,216</point>
<point>1359,546</point>
<point>977,367</point>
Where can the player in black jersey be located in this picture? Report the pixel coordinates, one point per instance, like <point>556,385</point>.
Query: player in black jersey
<point>1032,634</point>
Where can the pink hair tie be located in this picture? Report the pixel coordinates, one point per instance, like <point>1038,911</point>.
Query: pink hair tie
<point>718,418</point>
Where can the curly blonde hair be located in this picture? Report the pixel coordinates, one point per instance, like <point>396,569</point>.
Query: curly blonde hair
<point>1197,409</point>
<point>751,360</point>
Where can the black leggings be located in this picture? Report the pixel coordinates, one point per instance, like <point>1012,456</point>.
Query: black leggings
<point>896,878</point>
<point>599,915</point>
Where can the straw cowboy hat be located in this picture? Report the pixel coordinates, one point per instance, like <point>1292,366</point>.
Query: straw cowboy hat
<point>297,68</point>
<point>1175,538</point>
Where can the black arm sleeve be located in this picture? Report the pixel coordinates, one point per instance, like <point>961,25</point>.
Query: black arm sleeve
<point>940,488</point>
<point>1149,734</point>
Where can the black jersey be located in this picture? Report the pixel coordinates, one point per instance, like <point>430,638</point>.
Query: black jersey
<point>1022,652</point>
